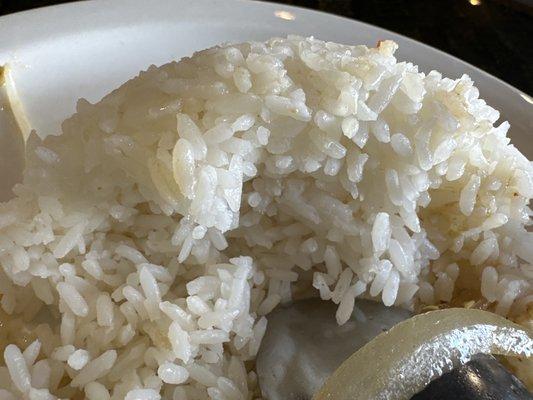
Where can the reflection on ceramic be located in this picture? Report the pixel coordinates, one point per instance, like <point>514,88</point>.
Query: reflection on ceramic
<point>59,54</point>
<point>527,98</point>
<point>284,14</point>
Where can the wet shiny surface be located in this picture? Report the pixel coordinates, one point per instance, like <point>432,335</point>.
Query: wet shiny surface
<point>400,363</point>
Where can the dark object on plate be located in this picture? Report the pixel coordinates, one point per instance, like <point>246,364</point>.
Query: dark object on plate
<point>483,378</point>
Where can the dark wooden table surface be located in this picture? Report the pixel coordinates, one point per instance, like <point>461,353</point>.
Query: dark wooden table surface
<point>495,35</point>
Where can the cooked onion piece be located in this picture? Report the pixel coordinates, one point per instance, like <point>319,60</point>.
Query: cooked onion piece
<point>400,362</point>
<point>17,108</point>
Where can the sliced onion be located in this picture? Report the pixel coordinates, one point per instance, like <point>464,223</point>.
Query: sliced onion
<point>400,362</point>
<point>13,99</point>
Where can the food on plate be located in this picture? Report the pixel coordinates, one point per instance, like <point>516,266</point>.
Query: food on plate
<point>153,235</point>
<point>444,339</point>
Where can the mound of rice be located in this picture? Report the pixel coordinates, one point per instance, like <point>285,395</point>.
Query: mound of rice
<point>151,237</point>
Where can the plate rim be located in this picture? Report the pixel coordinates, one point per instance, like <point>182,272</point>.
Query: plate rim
<point>7,22</point>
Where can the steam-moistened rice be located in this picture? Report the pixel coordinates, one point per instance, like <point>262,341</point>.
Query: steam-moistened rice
<point>150,238</point>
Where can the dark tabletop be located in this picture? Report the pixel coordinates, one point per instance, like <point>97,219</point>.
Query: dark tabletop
<point>495,35</point>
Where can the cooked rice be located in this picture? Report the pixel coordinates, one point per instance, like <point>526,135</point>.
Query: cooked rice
<point>151,237</point>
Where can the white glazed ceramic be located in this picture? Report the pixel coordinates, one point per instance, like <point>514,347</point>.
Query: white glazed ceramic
<point>59,54</point>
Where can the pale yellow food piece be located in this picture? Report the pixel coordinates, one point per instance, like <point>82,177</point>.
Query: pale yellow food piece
<point>400,362</point>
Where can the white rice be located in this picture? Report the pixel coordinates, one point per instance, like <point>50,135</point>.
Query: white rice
<point>18,370</point>
<point>78,359</point>
<point>172,373</point>
<point>96,391</point>
<point>151,237</point>
<point>142,394</point>
<point>31,352</point>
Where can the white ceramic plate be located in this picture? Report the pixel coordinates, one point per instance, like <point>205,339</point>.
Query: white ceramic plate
<point>59,54</point>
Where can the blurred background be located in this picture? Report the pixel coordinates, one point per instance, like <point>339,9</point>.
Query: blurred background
<point>495,35</point>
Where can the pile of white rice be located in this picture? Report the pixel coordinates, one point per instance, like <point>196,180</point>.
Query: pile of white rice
<point>150,239</point>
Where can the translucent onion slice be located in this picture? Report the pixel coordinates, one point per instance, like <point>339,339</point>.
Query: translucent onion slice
<point>17,108</point>
<point>400,362</point>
